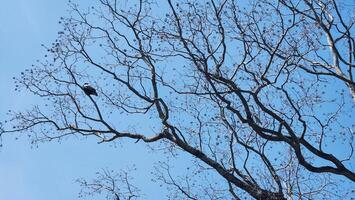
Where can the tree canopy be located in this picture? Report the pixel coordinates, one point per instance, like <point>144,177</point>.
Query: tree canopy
<point>259,94</point>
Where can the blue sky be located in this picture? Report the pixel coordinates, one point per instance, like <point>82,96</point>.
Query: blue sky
<point>49,170</point>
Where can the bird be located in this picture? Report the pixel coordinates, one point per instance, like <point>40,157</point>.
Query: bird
<point>89,90</point>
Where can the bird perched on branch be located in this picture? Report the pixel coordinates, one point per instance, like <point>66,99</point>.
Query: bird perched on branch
<point>89,90</point>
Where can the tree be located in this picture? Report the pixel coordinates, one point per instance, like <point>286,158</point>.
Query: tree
<point>254,91</point>
<point>115,186</point>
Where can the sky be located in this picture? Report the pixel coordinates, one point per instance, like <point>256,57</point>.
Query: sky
<point>49,170</point>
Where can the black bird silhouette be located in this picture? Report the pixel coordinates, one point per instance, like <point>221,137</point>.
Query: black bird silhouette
<point>89,90</point>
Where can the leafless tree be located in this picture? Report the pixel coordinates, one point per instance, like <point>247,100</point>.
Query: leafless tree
<point>115,186</point>
<point>255,92</point>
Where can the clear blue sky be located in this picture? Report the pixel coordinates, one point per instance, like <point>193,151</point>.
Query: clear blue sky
<point>49,171</point>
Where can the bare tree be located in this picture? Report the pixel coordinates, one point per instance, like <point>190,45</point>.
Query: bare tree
<point>255,92</point>
<point>115,186</point>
